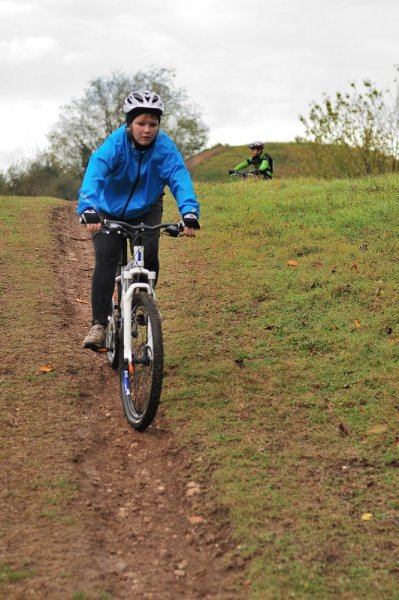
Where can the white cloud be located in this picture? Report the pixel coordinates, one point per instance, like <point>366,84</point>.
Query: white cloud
<point>26,49</point>
<point>75,58</point>
<point>11,9</point>
<point>24,129</point>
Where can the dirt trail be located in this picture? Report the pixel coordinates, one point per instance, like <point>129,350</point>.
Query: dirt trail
<point>197,159</point>
<point>138,527</point>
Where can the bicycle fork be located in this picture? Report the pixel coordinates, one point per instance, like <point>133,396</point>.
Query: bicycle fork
<point>126,310</point>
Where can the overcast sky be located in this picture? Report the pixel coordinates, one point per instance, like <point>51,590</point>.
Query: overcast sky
<point>252,67</point>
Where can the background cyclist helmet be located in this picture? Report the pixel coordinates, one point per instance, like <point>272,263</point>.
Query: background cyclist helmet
<point>141,102</point>
<point>256,146</point>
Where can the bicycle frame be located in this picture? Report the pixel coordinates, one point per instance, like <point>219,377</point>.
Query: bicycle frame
<point>130,269</point>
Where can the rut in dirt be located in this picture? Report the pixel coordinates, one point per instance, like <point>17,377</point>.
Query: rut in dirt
<point>143,525</point>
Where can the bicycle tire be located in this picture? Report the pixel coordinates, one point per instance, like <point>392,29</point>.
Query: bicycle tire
<point>141,389</point>
<point>112,339</point>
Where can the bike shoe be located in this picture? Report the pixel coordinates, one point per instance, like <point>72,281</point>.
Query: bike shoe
<point>95,339</point>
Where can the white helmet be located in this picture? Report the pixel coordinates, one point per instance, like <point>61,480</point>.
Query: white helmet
<point>143,99</point>
<point>256,145</point>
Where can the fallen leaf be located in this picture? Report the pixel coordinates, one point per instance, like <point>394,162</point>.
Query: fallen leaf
<point>378,428</point>
<point>46,369</point>
<point>357,324</point>
<point>317,263</point>
<point>192,489</point>
<point>292,263</point>
<point>196,519</point>
<point>367,516</point>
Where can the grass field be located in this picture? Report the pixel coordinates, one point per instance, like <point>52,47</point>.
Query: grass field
<point>282,373</point>
<point>291,159</point>
<point>282,345</point>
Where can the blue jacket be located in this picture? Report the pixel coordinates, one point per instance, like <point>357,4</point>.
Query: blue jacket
<point>125,182</point>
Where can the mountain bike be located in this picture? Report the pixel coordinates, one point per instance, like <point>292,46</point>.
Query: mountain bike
<point>134,342</point>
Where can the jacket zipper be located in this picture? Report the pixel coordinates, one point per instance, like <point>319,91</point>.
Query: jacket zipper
<point>133,188</point>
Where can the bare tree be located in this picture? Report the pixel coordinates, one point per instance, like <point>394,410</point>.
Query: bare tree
<point>85,123</point>
<point>359,119</point>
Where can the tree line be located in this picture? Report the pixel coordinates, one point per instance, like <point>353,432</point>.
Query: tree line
<point>352,134</point>
<point>86,122</point>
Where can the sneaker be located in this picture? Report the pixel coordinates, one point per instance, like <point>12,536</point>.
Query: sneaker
<point>95,339</point>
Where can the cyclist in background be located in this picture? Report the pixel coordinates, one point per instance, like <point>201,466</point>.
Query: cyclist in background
<point>262,162</point>
<point>125,181</point>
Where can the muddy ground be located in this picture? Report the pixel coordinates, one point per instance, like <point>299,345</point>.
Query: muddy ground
<point>91,509</point>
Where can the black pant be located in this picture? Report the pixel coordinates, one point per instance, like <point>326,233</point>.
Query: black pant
<point>108,250</point>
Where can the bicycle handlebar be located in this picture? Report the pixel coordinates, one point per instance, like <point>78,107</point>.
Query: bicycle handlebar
<point>172,229</point>
<point>243,174</point>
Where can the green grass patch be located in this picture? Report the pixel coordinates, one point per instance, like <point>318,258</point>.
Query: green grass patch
<point>282,372</point>
<point>10,575</point>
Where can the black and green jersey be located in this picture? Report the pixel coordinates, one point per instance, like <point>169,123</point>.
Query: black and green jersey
<point>263,163</point>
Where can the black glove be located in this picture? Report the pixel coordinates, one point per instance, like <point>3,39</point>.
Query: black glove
<point>90,216</point>
<point>191,221</point>
<point>232,171</point>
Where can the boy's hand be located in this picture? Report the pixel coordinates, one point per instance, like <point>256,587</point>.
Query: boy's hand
<point>92,220</point>
<point>191,223</point>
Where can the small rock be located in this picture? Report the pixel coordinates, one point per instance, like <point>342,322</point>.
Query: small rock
<point>179,572</point>
<point>120,566</point>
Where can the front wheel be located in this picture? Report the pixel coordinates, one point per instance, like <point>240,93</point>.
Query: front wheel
<point>141,381</point>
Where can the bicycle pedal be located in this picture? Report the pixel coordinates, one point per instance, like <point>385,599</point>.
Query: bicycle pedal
<point>95,348</point>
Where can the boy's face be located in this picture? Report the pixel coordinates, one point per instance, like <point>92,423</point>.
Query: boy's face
<point>144,128</point>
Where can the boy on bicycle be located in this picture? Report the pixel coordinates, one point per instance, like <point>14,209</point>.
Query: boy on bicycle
<point>262,161</point>
<point>125,180</point>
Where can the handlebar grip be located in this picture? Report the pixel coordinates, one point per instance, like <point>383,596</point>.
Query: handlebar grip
<point>88,217</point>
<point>175,230</point>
